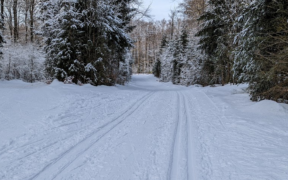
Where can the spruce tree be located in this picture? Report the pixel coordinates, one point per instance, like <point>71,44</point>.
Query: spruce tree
<point>215,40</point>
<point>261,57</point>
<point>184,39</point>
<point>157,65</point>
<point>180,54</point>
<point>100,43</point>
<point>64,47</point>
<point>167,61</point>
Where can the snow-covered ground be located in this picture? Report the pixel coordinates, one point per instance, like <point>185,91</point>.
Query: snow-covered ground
<point>145,130</point>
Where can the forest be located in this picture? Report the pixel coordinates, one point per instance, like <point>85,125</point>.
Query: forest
<point>102,42</point>
<point>107,90</point>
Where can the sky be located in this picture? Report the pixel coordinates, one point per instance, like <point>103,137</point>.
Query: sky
<point>160,9</point>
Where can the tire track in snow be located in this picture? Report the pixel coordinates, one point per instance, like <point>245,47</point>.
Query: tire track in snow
<point>74,150</point>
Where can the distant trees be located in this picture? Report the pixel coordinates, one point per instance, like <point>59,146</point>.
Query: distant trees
<point>180,60</point>
<point>147,37</point>
<point>20,15</point>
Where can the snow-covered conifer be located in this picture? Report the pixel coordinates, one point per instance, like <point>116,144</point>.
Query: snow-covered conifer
<point>215,39</point>
<point>63,46</point>
<point>89,40</point>
<point>157,65</point>
<point>261,55</point>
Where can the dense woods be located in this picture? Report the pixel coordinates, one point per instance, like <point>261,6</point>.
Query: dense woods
<point>220,42</point>
<point>101,42</point>
<point>81,41</point>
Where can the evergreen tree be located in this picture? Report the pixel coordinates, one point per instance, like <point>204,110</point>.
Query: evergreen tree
<point>100,41</point>
<point>180,56</point>
<point>64,47</point>
<point>157,68</point>
<point>164,43</point>
<point>157,65</point>
<point>215,40</point>
<point>173,58</point>
<point>167,61</point>
<point>49,9</point>
<point>261,57</point>
<point>184,39</point>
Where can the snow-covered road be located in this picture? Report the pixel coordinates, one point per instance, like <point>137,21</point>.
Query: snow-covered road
<point>143,131</point>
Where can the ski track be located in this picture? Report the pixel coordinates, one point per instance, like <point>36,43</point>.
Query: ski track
<point>179,163</point>
<point>172,169</point>
<point>121,119</point>
<point>43,146</point>
<point>59,125</point>
<point>73,150</point>
<point>183,163</point>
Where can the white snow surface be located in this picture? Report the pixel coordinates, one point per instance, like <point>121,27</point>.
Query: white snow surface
<point>146,130</point>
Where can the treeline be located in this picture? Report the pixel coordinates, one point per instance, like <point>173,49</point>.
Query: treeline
<point>223,41</point>
<point>85,41</point>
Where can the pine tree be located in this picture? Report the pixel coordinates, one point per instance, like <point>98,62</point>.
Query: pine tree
<point>261,57</point>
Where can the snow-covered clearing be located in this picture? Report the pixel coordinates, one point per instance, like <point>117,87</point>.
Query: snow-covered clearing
<point>145,130</point>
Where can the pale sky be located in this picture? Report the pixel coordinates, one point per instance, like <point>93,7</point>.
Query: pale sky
<point>160,9</point>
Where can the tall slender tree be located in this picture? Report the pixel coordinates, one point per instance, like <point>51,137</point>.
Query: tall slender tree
<point>1,27</point>
<point>15,18</point>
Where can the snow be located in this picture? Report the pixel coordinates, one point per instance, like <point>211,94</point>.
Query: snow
<point>267,107</point>
<point>144,130</point>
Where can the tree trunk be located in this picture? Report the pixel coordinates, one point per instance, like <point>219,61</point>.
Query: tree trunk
<point>2,9</point>
<point>10,23</point>
<point>32,7</point>
<point>222,75</point>
<point>139,55</point>
<point>15,2</point>
<point>26,19</point>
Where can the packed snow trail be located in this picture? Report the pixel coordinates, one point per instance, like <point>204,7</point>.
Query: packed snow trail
<point>145,130</point>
